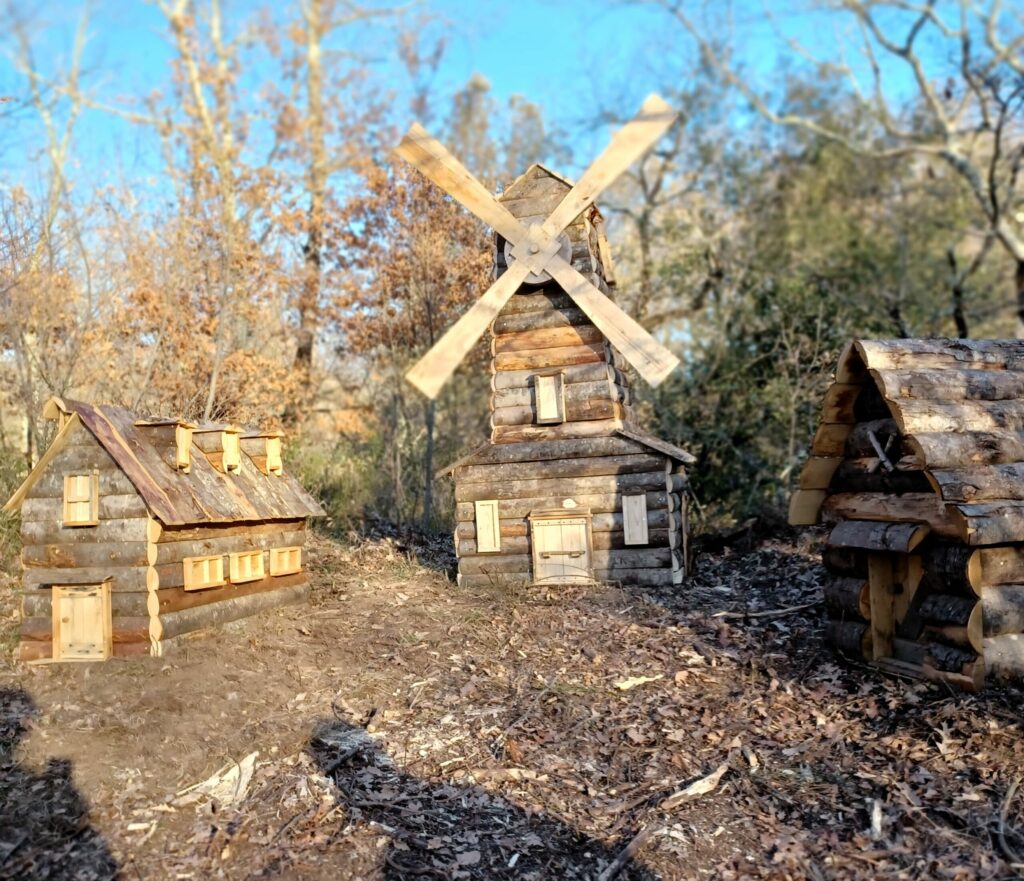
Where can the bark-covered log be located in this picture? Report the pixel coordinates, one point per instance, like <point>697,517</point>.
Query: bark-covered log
<point>954,385</point>
<point>858,443</point>
<point>911,507</point>
<point>655,481</point>
<point>656,519</point>
<point>171,624</point>
<point>43,532</point>
<point>846,562</point>
<point>515,323</point>
<point>225,530</point>
<point>1004,656</point>
<point>862,475</point>
<point>503,380</point>
<point>37,603</point>
<point>989,523</point>
<point>979,483</point>
<point>852,637</point>
<point>123,629</point>
<point>1003,609</point>
<point>540,301</point>
<point>957,635</point>
<point>598,503</point>
<point>565,356</point>
<point>112,507</point>
<point>574,394</point>
<point>945,568</point>
<point>175,552</point>
<point>603,541</point>
<point>586,410</point>
<point>590,466</point>
<point>173,599</point>
<point>872,535</point>
<point>515,434</point>
<point>926,417</point>
<point>848,597</point>
<point>818,471</point>
<point>998,565</point>
<point>128,578</point>
<point>942,449</point>
<point>68,556</point>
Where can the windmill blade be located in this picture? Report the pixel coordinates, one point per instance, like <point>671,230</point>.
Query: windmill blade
<point>431,372</point>
<point>650,358</point>
<point>423,151</point>
<point>628,144</point>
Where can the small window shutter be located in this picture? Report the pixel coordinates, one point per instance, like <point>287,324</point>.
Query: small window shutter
<point>488,527</point>
<point>634,519</point>
<point>550,398</point>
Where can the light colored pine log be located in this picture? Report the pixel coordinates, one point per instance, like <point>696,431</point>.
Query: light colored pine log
<point>69,556</point>
<point>176,551</point>
<point>805,507</point>
<point>817,472</point>
<point>981,482</point>
<point>933,384</point>
<point>659,577</point>
<point>545,338</point>
<point>882,584</point>
<point>960,416</point>
<point>566,356</point>
<point>918,354</point>
<point>952,451</point>
<point>172,624</point>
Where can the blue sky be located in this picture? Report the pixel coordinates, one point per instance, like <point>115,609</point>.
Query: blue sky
<point>569,56</point>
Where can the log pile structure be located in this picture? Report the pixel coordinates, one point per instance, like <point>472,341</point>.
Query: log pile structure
<point>918,466</point>
<point>120,516</point>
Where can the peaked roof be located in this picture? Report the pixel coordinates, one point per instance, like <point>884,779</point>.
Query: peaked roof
<point>959,405</point>
<point>176,498</point>
<point>482,454</point>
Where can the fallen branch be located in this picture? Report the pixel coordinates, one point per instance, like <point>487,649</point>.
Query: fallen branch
<point>1004,845</point>
<point>628,852</point>
<point>768,613</point>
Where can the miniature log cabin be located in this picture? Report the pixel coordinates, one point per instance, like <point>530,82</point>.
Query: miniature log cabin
<point>568,489</point>
<point>918,464</point>
<point>137,532</point>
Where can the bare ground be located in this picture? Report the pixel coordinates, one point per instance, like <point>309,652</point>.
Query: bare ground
<point>409,729</point>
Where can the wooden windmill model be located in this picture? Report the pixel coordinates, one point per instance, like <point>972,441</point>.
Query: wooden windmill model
<point>568,489</point>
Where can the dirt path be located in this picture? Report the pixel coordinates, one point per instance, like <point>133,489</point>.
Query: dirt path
<point>510,735</point>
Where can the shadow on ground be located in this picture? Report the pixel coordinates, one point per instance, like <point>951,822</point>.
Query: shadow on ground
<point>441,830</point>
<point>45,834</point>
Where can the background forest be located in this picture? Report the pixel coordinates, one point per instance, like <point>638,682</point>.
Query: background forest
<point>273,265</point>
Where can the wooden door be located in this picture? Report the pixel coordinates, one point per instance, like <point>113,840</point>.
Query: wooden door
<point>561,550</point>
<point>81,622</point>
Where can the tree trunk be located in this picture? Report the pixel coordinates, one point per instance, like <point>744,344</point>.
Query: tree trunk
<point>428,463</point>
<point>1018,281</point>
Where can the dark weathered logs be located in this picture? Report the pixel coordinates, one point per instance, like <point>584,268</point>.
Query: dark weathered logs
<point>875,536</point>
<point>858,476</point>
<point>943,657</point>
<point>858,441</point>
<point>1003,609</point>
<point>847,597</point>
<point>918,507</point>
<point>945,568</point>
<point>1004,656</point>
<point>852,637</point>
<point>847,562</point>
<point>999,565</point>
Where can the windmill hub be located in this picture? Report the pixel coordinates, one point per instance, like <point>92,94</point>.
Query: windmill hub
<point>535,250</point>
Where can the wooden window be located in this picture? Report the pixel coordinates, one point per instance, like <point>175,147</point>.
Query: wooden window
<point>488,527</point>
<point>285,561</point>
<point>550,391</point>
<point>245,566</point>
<point>81,499</point>
<point>203,572</point>
<point>274,465</point>
<point>634,518</point>
<point>232,451</point>
<point>82,627</point>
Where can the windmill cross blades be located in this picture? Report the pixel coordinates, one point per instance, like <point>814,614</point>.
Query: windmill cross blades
<point>536,248</point>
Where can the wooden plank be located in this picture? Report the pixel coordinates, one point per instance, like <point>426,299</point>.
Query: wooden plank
<point>882,581</point>
<point>997,565</point>
<point>634,517</point>
<point>990,523</point>
<point>830,440</point>
<point>488,526</point>
<point>551,400</point>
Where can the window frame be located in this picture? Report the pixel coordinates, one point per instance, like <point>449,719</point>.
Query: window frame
<point>493,543</point>
<point>92,499</point>
<point>235,573</point>
<point>557,381</point>
<point>191,583</point>
<point>276,568</point>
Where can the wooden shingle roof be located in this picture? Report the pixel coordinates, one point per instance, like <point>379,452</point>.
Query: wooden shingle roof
<point>178,498</point>
<point>959,408</point>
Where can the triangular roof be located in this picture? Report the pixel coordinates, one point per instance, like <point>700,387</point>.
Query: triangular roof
<point>482,454</point>
<point>959,404</point>
<point>175,498</point>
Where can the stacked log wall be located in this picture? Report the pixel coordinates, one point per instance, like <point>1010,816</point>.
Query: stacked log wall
<point>591,473</point>
<point>117,548</point>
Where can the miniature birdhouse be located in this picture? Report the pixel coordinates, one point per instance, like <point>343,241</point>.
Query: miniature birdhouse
<point>918,466</point>
<point>138,532</point>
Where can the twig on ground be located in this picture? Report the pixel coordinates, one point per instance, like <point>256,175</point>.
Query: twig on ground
<point>768,613</point>
<point>628,852</point>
